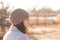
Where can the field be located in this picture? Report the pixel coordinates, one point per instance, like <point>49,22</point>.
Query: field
<point>46,34</point>
<point>41,29</point>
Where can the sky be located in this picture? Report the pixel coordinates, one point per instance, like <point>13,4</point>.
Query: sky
<point>38,4</point>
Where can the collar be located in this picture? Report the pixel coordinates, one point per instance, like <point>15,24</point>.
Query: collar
<point>13,28</point>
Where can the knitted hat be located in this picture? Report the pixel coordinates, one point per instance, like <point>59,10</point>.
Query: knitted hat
<point>17,16</point>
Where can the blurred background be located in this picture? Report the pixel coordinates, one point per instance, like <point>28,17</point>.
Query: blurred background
<point>44,17</point>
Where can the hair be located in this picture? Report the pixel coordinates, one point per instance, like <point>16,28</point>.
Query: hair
<point>21,27</point>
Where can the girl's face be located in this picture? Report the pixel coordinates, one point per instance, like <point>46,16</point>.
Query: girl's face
<point>26,24</point>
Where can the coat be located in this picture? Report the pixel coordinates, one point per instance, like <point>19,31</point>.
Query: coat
<point>15,34</point>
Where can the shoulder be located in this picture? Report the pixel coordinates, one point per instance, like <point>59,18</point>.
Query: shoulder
<point>24,37</point>
<point>21,36</point>
<point>15,36</point>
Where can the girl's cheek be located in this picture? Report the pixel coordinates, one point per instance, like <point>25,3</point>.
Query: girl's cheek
<point>26,23</point>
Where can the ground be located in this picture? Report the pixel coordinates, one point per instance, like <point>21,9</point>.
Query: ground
<point>46,33</point>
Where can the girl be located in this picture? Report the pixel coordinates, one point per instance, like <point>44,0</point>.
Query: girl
<point>19,25</point>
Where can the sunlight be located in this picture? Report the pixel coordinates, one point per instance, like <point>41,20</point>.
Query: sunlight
<point>0,6</point>
<point>25,4</point>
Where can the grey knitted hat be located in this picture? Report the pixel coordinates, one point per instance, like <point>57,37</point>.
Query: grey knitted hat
<point>17,16</point>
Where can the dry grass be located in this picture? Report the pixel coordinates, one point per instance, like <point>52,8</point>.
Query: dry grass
<point>41,33</point>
